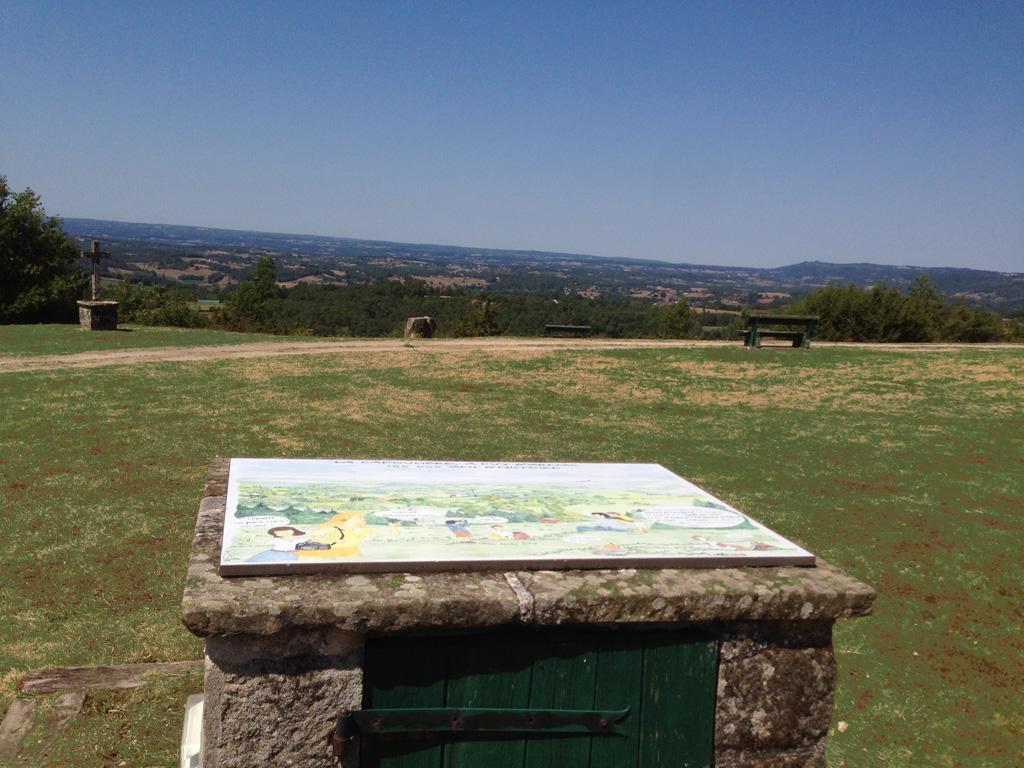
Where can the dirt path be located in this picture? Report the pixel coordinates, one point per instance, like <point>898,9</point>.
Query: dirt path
<point>284,348</point>
<point>279,349</point>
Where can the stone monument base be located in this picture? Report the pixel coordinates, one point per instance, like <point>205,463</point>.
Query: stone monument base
<point>286,655</point>
<point>98,315</point>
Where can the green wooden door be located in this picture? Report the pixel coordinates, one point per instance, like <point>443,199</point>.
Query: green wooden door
<point>667,679</point>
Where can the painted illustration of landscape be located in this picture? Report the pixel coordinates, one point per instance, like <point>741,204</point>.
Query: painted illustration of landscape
<point>294,515</point>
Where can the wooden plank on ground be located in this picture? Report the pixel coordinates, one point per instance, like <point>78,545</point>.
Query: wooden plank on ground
<point>85,678</point>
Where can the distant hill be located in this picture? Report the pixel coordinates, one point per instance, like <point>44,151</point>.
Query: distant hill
<point>216,258</point>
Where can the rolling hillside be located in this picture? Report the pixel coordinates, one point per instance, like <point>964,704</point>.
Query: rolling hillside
<point>217,258</point>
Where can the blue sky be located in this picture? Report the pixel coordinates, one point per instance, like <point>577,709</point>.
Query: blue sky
<point>726,133</point>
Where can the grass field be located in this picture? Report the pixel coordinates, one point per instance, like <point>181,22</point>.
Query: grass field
<point>905,468</point>
<point>68,339</point>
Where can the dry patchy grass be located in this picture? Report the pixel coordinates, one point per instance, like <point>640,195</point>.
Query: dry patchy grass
<point>906,469</point>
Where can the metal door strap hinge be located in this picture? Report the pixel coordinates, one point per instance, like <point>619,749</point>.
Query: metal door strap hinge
<point>458,720</point>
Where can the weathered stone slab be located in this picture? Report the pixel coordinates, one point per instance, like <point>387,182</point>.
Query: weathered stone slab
<point>66,707</point>
<point>217,478</point>
<point>695,595</point>
<point>396,602</point>
<point>16,723</point>
<point>23,723</point>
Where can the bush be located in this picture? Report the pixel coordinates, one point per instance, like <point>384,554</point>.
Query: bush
<point>883,313</point>
<point>480,319</point>
<point>972,324</point>
<point>157,305</point>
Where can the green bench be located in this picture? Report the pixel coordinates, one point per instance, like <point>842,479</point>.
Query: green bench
<point>801,338</point>
<point>567,330</point>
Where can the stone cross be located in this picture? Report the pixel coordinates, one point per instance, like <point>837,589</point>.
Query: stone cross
<point>95,254</point>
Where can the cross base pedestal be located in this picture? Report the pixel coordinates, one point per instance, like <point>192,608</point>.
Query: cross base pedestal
<point>98,315</point>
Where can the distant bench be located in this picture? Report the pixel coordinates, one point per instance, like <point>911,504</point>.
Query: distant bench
<point>752,336</point>
<point>567,330</point>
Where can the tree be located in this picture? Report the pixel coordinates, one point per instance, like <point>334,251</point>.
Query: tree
<point>479,319</point>
<point>246,308</point>
<point>677,322</point>
<point>928,304</point>
<point>40,279</point>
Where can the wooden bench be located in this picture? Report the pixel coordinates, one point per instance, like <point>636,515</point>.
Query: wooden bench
<point>567,330</point>
<point>752,336</point>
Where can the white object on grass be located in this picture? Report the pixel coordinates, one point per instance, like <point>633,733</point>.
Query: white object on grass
<point>192,733</point>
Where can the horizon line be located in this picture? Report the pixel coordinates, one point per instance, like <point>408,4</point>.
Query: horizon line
<point>529,250</point>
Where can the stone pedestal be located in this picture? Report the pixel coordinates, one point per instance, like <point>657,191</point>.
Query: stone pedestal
<point>98,315</point>
<point>271,700</point>
<point>285,653</point>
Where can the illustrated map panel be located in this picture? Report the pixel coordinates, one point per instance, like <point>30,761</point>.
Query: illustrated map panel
<point>312,515</point>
